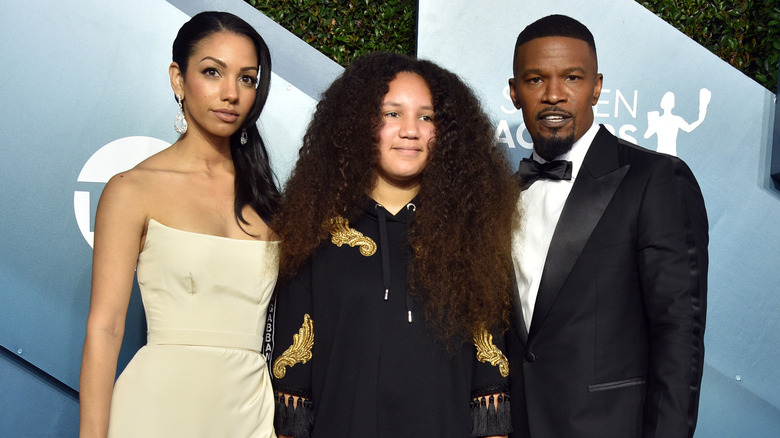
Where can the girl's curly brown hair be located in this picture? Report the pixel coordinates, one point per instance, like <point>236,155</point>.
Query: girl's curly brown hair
<point>461,236</point>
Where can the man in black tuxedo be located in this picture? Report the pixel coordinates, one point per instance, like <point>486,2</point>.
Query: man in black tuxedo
<point>611,261</point>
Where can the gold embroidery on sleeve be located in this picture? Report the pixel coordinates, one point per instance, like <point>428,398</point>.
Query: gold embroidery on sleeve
<point>299,351</point>
<point>488,352</point>
<point>342,233</point>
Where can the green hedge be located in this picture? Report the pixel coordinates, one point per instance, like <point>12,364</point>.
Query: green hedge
<point>345,29</point>
<point>745,33</point>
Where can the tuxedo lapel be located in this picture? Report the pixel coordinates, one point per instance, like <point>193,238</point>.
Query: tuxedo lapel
<point>518,320</point>
<point>596,182</point>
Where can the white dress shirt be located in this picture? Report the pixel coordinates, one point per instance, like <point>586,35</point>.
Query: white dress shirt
<point>541,205</point>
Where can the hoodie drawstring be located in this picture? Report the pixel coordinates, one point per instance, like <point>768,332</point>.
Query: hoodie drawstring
<point>384,249</point>
<point>384,252</point>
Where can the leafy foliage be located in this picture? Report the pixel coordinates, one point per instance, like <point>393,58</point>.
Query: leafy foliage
<point>346,29</point>
<point>745,33</point>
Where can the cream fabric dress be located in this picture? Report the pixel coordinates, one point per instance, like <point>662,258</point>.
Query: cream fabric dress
<point>201,373</point>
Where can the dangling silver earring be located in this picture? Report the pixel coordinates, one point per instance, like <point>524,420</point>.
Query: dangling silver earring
<point>180,125</point>
<point>244,137</point>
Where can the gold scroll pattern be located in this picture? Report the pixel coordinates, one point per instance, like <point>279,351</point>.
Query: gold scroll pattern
<point>299,351</point>
<point>342,233</point>
<point>488,352</point>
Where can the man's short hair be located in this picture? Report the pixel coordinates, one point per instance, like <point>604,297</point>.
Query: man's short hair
<point>556,26</point>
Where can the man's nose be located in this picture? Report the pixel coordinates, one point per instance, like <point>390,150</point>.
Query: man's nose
<point>554,92</point>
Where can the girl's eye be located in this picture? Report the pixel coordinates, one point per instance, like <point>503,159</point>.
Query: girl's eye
<point>426,118</point>
<point>391,114</point>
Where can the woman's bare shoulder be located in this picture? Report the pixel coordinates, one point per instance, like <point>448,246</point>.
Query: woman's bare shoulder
<point>145,175</point>
<point>138,188</point>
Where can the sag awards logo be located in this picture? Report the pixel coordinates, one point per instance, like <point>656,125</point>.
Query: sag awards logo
<point>115,157</point>
<point>665,125</point>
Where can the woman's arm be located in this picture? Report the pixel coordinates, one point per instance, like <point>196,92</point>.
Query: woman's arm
<point>119,226</point>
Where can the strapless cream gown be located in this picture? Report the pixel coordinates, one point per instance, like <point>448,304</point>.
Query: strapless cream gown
<point>201,373</point>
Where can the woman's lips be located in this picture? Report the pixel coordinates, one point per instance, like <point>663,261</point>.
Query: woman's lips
<point>408,150</point>
<point>226,115</point>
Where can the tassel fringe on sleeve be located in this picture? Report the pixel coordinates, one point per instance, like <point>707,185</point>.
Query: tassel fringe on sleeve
<point>293,419</point>
<point>491,416</point>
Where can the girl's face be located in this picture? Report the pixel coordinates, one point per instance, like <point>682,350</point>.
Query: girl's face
<point>219,85</point>
<point>406,137</point>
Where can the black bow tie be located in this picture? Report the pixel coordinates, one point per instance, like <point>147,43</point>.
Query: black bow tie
<point>531,170</point>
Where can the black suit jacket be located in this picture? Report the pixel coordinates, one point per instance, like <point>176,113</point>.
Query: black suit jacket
<point>615,347</point>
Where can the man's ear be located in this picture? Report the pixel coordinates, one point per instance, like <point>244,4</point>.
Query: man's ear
<point>597,89</point>
<point>513,94</point>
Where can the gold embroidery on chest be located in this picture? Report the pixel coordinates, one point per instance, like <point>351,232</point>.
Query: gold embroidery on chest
<point>488,352</point>
<point>342,233</point>
<point>299,351</point>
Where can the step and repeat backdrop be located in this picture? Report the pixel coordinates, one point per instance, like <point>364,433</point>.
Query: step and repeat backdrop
<point>86,95</point>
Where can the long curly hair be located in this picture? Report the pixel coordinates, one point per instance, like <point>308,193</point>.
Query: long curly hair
<point>461,236</point>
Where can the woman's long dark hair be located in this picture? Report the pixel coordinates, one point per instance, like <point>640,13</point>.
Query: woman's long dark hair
<point>255,183</point>
<point>461,236</point>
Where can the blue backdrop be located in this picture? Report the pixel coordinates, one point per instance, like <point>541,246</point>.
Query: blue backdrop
<point>86,94</point>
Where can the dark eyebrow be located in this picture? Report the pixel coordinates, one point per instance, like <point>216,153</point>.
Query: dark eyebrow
<point>575,69</point>
<point>397,105</point>
<point>532,71</point>
<point>222,63</point>
<point>214,59</point>
<point>538,71</point>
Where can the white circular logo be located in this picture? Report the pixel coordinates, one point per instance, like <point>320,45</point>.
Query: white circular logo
<point>117,156</point>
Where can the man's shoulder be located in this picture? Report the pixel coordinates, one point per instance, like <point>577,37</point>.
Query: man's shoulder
<point>634,153</point>
<point>609,152</point>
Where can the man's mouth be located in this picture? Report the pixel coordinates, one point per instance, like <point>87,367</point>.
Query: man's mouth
<point>554,121</point>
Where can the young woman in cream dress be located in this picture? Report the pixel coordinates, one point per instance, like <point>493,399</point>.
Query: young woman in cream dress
<point>193,220</point>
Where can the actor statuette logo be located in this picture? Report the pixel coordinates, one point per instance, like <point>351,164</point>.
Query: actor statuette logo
<point>616,106</point>
<point>115,157</point>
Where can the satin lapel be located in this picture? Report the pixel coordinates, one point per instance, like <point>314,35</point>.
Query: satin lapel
<point>518,320</point>
<point>596,183</point>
